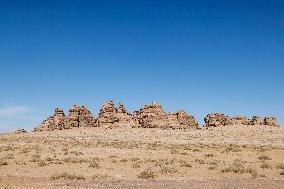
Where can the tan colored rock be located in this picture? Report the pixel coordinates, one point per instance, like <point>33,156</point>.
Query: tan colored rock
<point>239,120</point>
<point>255,120</point>
<point>58,119</point>
<point>111,117</point>
<point>77,117</point>
<point>271,121</point>
<point>186,121</point>
<point>86,118</point>
<point>124,118</point>
<point>19,131</point>
<point>72,120</point>
<point>107,116</point>
<point>216,120</point>
<point>153,116</point>
<point>53,122</point>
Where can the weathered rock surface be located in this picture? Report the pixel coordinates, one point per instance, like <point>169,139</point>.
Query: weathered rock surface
<point>19,131</point>
<point>111,117</point>
<point>255,120</point>
<point>181,120</point>
<point>77,117</point>
<point>107,116</point>
<point>271,121</point>
<point>153,116</point>
<point>239,120</point>
<point>216,120</point>
<point>149,116</point>
<point>53,122</point>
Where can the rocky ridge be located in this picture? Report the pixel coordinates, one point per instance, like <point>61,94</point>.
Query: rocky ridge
<point>217,120</point>
<point>149,116</point>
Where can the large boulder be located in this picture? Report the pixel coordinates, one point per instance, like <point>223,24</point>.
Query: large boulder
<point>20,130</point>
<point>271,121</point>
<point>124,118</point>
<point>86,118</point>
<point>239,120</point>
<point>216,120</point>
<point>107,117</point>
<point>112,117</point>
<point>186,121</point>
<point>77,117</point>
<point>255,120</point>
<point>72,120</point>
<point>153,116</point>
<point>53,122</point>
<point>181,120</point>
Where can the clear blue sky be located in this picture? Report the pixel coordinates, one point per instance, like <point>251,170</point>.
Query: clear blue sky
<point>203,56</point>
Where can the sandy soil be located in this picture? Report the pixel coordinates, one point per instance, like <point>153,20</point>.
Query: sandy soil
<point>227,157</point>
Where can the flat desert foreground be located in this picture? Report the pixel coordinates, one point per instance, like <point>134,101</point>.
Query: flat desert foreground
<point>225,157</point>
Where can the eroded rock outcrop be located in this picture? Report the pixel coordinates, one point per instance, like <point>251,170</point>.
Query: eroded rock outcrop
<point>255,120</point>
<point>239,120</point>
<point>20,130</point>
<point>111,117</point>
<point>217,119</point>
<point>56,121</point>
<point>77,117</point>
<point>271,121</point>
<point>181,120</point>
<point>153,116</point>
<point>149,116</point>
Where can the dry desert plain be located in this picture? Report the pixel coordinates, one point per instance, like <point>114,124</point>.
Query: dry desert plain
<point>224,157</point>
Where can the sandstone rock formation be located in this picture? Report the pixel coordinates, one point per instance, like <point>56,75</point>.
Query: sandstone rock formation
<point>239,120</point>
<point>77,117</point>
<point>255,120</point>
<point>216,120</point>
<point>153,116</point>
<point>19,131</point>
<point>271,121</point>
<point>149,116</point>
<point>53,122</point>
<point>107,115</point>
<point>111,117</point>
<point>181,120</point>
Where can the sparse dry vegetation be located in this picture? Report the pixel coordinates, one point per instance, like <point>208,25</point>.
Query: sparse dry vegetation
<point>143,154</point>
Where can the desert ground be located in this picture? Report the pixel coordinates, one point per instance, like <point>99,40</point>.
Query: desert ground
<point>224,157</point>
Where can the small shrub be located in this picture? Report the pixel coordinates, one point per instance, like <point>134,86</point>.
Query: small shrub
<point>93,164</point>
<point>280,166</point>
<point>48,159</point>
<point>136,165</point>
<point>200,161</point>
<point>265,166</point>
<point>264,157</point>
<point>167,170</point>
<point>67,176</point>
<point>41,163</point>
<point>147,174</point>
<point>185,164</point>
<point>100,177</point>
<point>209,155</point>
<point>74,160</point>
<point>3,163</point>
<point>35,158</point>
<point>134,159</point>
<point>282,173</point>
<point>123,160</point>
